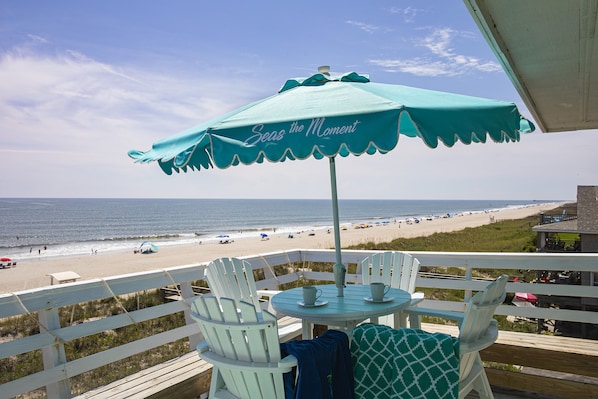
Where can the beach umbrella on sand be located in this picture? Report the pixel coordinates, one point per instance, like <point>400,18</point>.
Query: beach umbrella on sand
<point>148,247</point>
<point>326,116</point>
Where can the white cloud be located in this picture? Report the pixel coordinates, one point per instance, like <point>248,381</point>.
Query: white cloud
<point>408,13</point>
<point>443,60</point>
<point>439,42</point>
<point>67,114</point>
<point>417,66</point>
<point>69,119</point>
<point>364,27</point>
<point>37,39</point>
<point>71,90</point>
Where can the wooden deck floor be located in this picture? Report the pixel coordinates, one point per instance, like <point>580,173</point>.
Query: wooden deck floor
<point>508,395</point>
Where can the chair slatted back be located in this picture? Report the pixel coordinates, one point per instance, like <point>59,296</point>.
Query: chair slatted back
<point>232,278</point>
<point>479,311</point>
<point>243,348</point>
<point>477,329</point>
<point>395,268</point>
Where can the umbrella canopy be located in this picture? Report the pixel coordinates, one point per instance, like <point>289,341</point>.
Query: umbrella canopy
<point>147,247</point>
<point>326,116</point>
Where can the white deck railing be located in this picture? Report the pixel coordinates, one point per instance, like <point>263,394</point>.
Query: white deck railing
<point>44,303</point>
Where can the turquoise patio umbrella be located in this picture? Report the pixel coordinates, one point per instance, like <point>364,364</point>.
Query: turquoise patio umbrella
<point>328,116</point>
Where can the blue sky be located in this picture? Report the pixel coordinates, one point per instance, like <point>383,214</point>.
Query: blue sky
<point>81,83</point>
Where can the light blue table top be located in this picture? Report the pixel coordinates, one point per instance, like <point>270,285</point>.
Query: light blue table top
<point>350,309</point>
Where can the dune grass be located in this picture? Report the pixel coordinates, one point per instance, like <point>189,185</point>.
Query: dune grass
<point>502,236</point>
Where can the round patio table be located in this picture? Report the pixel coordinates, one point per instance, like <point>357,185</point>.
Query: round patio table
<point>340,312</point>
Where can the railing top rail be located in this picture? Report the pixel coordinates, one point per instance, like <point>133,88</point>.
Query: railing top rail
<point>67,294</point>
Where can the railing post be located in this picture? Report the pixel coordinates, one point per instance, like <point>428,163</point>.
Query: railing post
<point>468,277</point>
<point>54,355</point>
<point>187,295</point>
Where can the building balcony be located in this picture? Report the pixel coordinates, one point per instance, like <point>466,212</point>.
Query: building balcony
<point>519,364</point>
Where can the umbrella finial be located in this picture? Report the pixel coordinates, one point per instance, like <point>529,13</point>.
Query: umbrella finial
<point>324,69</point>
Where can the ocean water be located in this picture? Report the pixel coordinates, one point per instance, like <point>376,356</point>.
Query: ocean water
<point>44,227</point>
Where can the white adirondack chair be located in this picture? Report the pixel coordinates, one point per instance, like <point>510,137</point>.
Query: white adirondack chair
<point>233,278</point>
<point>242,345</point>
<point>477,330</point>
<point>394,268</point>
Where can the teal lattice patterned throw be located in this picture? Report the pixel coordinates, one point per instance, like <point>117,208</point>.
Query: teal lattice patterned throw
<point>404,363</point>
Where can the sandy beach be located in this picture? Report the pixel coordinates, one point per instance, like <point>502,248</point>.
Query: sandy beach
<point>34,273</point>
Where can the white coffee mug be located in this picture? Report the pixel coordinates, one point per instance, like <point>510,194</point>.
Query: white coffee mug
<point>311,295</point>
<point>378,291</point>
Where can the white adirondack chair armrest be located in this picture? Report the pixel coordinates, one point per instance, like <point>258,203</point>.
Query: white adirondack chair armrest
<point>283,365</point>
<point>482,342</point>
<point>416,298</point>
<point>202,346</point>
<point>445,314</point>
<point>268,293</point>
<point>288,361</point>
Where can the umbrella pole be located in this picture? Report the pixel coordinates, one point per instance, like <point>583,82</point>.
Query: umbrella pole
<point>338,269</point>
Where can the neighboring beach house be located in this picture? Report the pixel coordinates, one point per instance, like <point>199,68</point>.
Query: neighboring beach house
<point>574,230</point>
<point>582,221</point>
